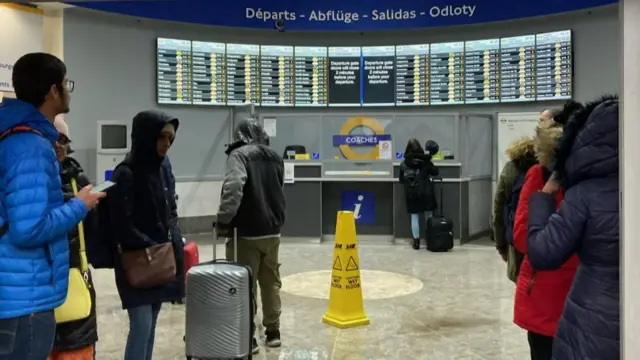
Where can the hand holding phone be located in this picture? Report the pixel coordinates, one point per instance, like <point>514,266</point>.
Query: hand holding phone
<point>102,187</point>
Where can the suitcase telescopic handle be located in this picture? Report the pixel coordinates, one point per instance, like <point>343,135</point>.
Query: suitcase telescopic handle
<point>215,243</point>
<point>441,206</point>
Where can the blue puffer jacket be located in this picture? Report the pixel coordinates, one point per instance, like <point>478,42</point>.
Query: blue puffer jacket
<point>587,223</point>
<point>34,252</point>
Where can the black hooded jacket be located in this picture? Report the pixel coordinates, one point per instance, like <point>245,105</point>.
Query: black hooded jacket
<point>252,198</point>
<point>81,333</point>
<point>141,208</point>
<point>415,174</point>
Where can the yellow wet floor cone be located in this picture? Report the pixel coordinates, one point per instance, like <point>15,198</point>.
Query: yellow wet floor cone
<point>346,308</point>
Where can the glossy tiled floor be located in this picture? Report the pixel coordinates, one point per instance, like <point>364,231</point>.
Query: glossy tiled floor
<point>450,306</point>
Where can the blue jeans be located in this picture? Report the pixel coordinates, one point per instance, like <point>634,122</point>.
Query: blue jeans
<point>142,332</point>
<point>415,223</point>
<point>28,337</point>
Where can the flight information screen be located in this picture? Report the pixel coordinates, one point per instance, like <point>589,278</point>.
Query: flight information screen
<point>173,66</point>
<point>208,73</point>
<point>447,73</point>
<point>482,71</point>
<point>379,75</point>
<point>243,71</point>
<point>554,70</point>
<point>517,68</point>
<point>276,75</point>
<point>412,74</point>
<point>344,76</point>
<point>311,76</point>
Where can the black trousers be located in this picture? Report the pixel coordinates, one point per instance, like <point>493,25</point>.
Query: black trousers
<point>540,346</point>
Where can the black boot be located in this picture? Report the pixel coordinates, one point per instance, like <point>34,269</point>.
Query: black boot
<point>416,244</point>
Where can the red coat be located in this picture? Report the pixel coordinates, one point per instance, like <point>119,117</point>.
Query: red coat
<point>540,295</point>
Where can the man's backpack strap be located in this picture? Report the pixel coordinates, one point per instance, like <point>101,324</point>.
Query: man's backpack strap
<point>17,130</point>
<point>12,131</point>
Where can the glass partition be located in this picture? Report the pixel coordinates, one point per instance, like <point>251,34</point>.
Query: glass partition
<point>442,128</point>
<point>295,130</point>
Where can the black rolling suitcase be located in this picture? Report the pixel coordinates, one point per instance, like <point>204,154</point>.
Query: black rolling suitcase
<point>439,229</point>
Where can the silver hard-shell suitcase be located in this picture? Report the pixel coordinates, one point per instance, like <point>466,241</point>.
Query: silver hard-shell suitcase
<point>218,309</point>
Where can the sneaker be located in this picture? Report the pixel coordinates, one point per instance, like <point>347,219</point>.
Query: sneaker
<point>255,348</point>
<point>273,338</point>
<point>416,244</point>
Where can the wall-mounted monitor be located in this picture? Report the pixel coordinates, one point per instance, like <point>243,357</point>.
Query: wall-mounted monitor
<point>378,76</point>
<point>412,74</point>
<point>517,68</point>
<point>173,65</point>
<point>208,73</point>
<point>276,75</point>
<point>311,74</point>
<point>345,76</point>
<point>447,73</point>
<point>243,74</point>
<point>554,66</point>
<point>482,71</point>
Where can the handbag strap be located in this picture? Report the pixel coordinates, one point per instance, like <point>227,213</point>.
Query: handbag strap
<point>84,263</point>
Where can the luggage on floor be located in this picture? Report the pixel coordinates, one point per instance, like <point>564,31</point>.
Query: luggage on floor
<point>191,256</point>
<point>219,313</point>
<point>439,229</point>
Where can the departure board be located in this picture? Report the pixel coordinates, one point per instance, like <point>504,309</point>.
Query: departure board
<point>243,71</point>
<point>482,71</point>
<point>208,77</point>
<point>173,66</point>
<point>554,70</point>
<point>311,76</point>
<point>517,68</point>
<point>447,73</point>
<point>276,75</point>
<point>344,76</point>
<point>378,76</point>
<point>412,74</point>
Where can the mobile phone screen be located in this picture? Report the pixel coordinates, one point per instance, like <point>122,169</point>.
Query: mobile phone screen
<point>102,187</point>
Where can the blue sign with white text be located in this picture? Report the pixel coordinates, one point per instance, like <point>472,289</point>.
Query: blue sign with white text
<point>340,14</point>
<point>362,205</point>
<point>359,140</point>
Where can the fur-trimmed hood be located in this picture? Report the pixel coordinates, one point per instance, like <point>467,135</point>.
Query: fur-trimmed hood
<point>522,153</point>
<point>590,145</point>
<point>548,133</point>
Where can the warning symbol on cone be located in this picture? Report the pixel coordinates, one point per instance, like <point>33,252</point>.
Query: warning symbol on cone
<point>351,265</point>
<point>337,265</point>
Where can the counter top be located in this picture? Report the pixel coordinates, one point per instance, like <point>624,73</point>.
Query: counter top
<point>366,179</point>
<point>441,163</point>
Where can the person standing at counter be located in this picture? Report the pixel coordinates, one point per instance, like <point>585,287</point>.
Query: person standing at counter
<point>252,201</point>
<point>415,172</point>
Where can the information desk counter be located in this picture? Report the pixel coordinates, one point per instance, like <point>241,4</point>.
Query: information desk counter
<point>313,201</point>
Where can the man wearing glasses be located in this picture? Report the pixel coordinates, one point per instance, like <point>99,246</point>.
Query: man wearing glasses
<point>34,219</point>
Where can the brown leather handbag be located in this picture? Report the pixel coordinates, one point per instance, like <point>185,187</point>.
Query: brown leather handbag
<point>150,267</point>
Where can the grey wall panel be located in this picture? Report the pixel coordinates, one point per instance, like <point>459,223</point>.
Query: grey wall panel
<point>303,214</point>
<point>480,205</point>
<point>307,171</point>
<point>479,145</point>
<point>332,202</point>
<point>464,212</point>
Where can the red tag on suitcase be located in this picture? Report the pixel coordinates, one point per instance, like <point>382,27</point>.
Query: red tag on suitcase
<point>191,256</point>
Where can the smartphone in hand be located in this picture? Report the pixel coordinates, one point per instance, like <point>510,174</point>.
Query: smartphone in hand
<point>103,187</point>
